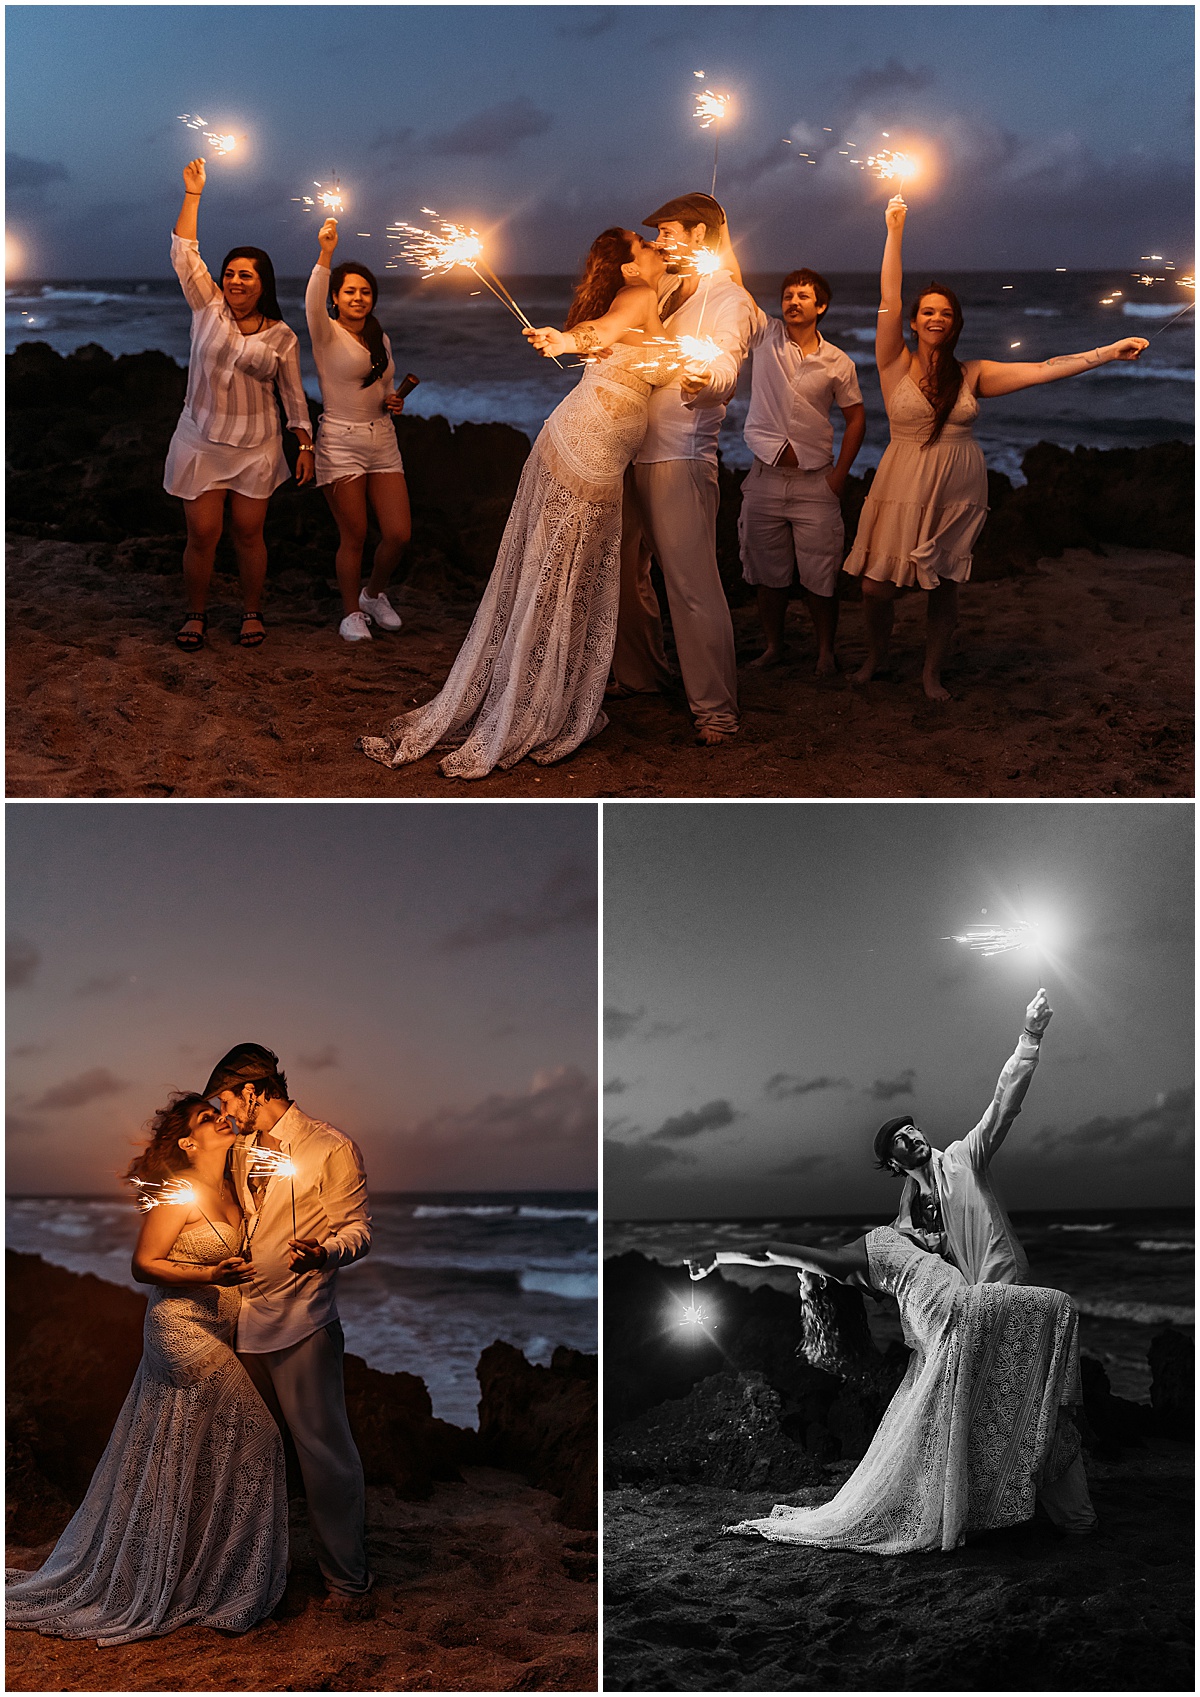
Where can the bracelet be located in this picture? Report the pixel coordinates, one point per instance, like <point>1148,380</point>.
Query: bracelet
<point>195,193</point>
<point>1037,1035</point>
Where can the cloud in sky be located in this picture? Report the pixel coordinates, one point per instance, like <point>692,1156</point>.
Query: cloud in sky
<point>23,173</point>
<point>620,1023</point>
<point>631,1163</point>
<point>394,144</point>
<point>615,1087</point>
<point>588,22</point>
<point>544,1136</point>
<point>781,1085</point>
<point>694,1121</point>
<point>319,1059</point>
<point>884,1089</point>
<point>101,984</point>
<point>89,1086</point>
<point>890,80</point>
<point>21,961</point>
<point>801,1166</point>
<point>495,132</point>
<point>1161,1131</point>
<point>566,902</point>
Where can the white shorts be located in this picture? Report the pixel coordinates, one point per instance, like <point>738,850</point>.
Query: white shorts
<point>353,450</point>
<point>195,465</point>
<point>791,521</point>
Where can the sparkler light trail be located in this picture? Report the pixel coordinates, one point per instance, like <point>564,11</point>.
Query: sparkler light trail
<point>220,144</point>
<point>436,252</point>
<point>709,110</point>
<point>889,166</point>
<point>329,198</point>
<point>159,1193</point>
<point>990,940</point>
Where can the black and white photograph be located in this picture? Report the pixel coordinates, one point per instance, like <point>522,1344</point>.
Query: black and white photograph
<point>898,1245</point>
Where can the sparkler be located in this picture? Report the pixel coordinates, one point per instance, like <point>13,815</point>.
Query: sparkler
<point>160,1193</point>
<point>220,144</point>
<point>695,1316</point>
<point>709,110</point>
<point>889,166</point>
<point>990,940</point>
<point>436,252</point>
<point>273,1163</point>
<point>329,198</point>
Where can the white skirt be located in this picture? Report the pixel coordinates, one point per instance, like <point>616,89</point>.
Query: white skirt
<point>354,449</point>
<point>195,464</point>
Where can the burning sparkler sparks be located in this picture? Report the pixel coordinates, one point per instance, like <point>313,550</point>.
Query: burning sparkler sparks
<point>220,144</point>
<point>436,252</point>
<point>695,1316</point>
<point>329,198</point>
<point>990,940</point>
<point>890,166</point>
<point>709,110</point>
<point>161,1193</point>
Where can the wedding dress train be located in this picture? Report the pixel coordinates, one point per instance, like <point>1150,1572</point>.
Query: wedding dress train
<point>974,1428</point>
<point>530,677</point>
<point>185,1519</point>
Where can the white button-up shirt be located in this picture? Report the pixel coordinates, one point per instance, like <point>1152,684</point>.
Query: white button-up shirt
<point>281,1308</point>
<point>792,393</point>
<point>978,1233</point>
<point>679,430</point>
<point>232,378</point>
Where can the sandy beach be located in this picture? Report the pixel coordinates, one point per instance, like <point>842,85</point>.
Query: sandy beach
<point>1072,674</point>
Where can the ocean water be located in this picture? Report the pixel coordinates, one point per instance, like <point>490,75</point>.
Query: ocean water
<point>1130,1272</point>
<point>447,1274</point>
<point>474,365</point>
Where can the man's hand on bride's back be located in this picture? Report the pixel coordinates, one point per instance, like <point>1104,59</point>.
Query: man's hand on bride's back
<point>233,1271</point>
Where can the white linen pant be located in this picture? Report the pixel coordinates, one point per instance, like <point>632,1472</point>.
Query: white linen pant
<point>305,1391</point>
<point>1068,1501</point>
<point>670,512</point>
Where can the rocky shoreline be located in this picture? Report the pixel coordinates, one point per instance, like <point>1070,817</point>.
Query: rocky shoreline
<point>1073,675</point>
<point>699,1434</point>
<point>484,1542</point>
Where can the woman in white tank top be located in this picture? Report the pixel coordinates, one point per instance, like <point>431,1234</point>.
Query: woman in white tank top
<point>358,459</point>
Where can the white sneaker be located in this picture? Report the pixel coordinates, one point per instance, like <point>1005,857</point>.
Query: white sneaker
<point>379,608</point>
<point>353,628</point>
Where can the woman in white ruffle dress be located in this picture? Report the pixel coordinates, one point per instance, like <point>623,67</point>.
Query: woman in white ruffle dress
<point>530,677</point>
<point>977,1426</point>
<point>185,1520</point>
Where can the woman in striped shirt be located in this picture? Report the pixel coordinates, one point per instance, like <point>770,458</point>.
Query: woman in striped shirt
<point>228,438</point>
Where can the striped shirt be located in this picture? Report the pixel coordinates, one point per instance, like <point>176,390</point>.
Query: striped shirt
<point>232,378</point>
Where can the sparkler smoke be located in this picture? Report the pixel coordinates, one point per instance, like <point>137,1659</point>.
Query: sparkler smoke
<point>436,252</point>
<point>220,144</point>
<point>709,110</point>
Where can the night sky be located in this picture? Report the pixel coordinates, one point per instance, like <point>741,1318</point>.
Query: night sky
<point>426,973</point>
<point>777,986</point>
<point>1052,135</point>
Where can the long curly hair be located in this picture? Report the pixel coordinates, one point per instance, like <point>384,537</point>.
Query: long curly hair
<point>372,329</point>
<point>602,279</point>
<point>945,371</point>
<point>162,1157</point>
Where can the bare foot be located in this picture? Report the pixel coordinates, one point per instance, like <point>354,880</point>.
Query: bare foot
<point>935,689</point>
<point>827,666</point>
<point>769,657</point>
<point>864,673</point>
<point>708,738</point>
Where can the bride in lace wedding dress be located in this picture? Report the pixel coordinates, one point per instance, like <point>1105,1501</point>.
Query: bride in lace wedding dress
<point>530,677</point>
<point>976,1427</point>
<point>185,1520</point>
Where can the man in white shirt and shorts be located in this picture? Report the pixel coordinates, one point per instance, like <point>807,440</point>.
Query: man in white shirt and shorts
<point>791,518</point>
<point>672,492</point>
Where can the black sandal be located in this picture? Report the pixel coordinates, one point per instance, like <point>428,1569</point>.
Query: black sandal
<point>191,640</point>
<point>254,638</point>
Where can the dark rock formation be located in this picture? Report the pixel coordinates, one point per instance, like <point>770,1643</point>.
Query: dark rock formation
<point>1173,1383</point>
<point>1110,1423</point>
<point>541,1421</point>
<point>728,1431</point>
<point>74,1343</point>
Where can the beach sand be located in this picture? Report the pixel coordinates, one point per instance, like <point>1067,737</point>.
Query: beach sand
<point>1071,679</point>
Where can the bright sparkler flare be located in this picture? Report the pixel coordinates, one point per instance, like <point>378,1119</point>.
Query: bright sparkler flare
<point>990,940</point>
<point>328,197</point>
<point>437,251</point>
<point>888,166</point>
<point>270,1163</point>
<point>158,1193</point>
<point>705,261</point>
<point>699,350</point>
<point>695,1315</point>
<point>220,144</point>
<point>710,107</point>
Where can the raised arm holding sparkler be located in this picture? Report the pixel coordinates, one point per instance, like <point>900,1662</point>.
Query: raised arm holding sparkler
<point>632,316</point>
<point>848,1265</point>
<point>243,361</point>
<point>358,458</point>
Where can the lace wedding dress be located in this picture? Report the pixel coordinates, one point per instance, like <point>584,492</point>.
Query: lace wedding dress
<point>530,677</point>
<point>973,1429</point>
<point>185,1519</point>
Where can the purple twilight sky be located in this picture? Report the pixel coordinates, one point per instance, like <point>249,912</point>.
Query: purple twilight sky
<point>426,973</point>
<point>778,983</point>
<point>1052,135</point>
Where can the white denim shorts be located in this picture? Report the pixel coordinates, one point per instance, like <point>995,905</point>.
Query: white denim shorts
<point>791,521</point>
<point>353,450</point>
